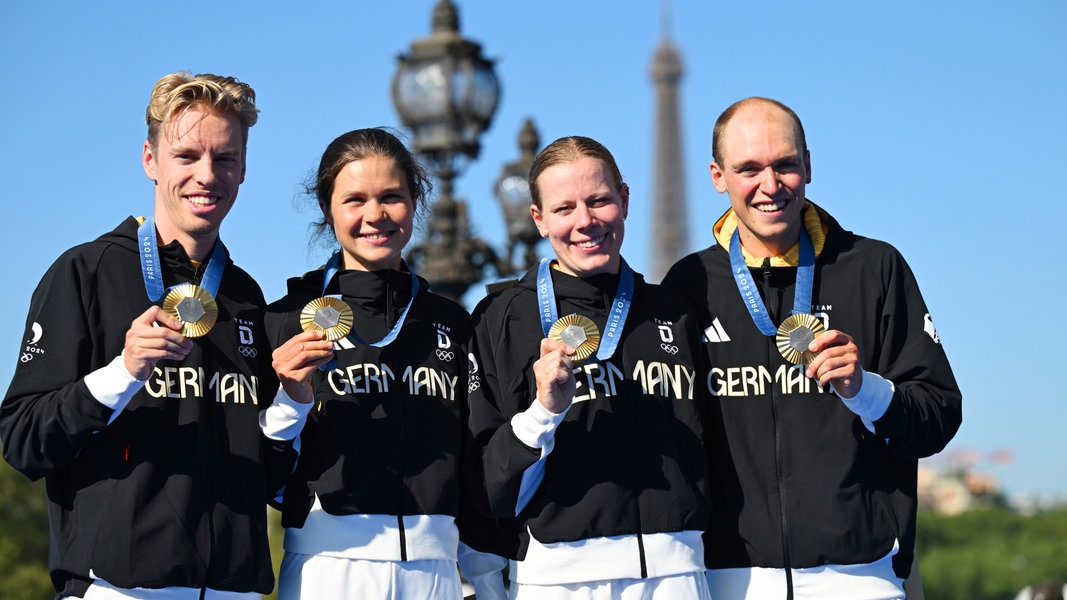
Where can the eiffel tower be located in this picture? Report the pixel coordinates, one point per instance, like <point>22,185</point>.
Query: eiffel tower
<point>670,240</point>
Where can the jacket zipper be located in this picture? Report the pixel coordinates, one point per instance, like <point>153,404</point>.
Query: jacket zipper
<point>778,442</point>
<point>641,552</point>
<point>637,474</point>
<point>403,441</point>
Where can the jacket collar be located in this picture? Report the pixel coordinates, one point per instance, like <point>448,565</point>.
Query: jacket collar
<point>816,221</point>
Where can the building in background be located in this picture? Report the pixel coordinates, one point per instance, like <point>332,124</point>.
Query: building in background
<point>959,480</point>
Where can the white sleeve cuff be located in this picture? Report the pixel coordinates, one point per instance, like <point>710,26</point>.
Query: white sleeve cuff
<point>285,417</point>
<point>536,426</point>
<point>872,399</point>
<point>113,386</point>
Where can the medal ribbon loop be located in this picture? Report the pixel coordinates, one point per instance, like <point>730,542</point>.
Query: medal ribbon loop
<point>152,267</point>
<point>801,292</point>
<point>332,267</point>
<point>617,312</point>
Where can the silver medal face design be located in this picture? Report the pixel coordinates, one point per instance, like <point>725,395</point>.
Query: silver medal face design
<point>331,316</point>
<point>794,336</point>
<point>190,310</point>
<point>578,332</point>
<point>327,317</point>
<point>573,336</point>
<point>800,337</point>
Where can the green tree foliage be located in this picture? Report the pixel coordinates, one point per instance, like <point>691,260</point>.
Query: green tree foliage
<point>275,533</point>
<point>23,538</point>
<point>990,554</point>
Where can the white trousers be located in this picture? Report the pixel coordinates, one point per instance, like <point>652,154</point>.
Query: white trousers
<point>872,581</point>
<point>687,586</point>
<point>102,590</point>
<point>304,576</point>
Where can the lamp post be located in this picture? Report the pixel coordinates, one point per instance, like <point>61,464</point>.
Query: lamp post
<point>512,190</point>
<point>446,93</point>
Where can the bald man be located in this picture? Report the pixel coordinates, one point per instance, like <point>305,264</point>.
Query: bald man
<point>829,379</point>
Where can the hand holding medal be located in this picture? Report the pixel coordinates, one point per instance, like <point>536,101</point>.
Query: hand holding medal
<point>193,305</point>
<point>835,359</point>
<point>837,363</point>
<point>153,336</point>
<point>578,331</point>
<point>297,359</point>
<point>798,330</point>
<point>553,374</point>
<point>334,317</point>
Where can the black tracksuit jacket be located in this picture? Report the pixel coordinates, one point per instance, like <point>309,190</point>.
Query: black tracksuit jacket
<point>797,479</point>
<point>172,492</point>
<point>388,430</point>
<point>628,457</point>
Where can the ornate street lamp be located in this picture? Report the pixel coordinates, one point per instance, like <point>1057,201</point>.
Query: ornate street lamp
<point>512,190</point>
<point>446,92</point>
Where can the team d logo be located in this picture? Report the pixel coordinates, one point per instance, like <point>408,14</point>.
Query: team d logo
<point>444,345</point>
<point>245,340</point>
<point>666,336</point>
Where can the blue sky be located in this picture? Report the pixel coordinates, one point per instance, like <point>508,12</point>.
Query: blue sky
<point>936,125</point>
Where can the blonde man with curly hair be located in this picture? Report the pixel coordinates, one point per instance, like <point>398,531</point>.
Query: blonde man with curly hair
<point>139,393</point>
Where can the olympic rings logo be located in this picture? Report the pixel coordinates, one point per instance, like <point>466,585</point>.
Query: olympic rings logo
<point>248,351</point>
<point>473,385</point>
<point>26,357</point>
<point>669,349</point>
<point>445,355</point>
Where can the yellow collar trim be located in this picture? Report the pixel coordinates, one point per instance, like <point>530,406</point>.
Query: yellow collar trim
<point>815,221</point>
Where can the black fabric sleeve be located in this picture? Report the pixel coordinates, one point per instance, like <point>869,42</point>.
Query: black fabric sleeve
<point>279,456</point>
<point>927,406</point>
<point>476,528</point>
<point>48,413</point>
<point>497,393</point>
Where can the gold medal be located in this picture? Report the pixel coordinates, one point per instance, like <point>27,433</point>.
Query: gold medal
<point>578,332</point>
<point>194,307</point>
<point>794,335</point>
<point>332,316</point>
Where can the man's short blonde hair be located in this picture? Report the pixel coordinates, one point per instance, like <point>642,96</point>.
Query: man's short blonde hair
<point>178,92</point>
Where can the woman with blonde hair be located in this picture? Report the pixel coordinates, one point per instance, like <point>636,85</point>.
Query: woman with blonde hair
<point>588,402</point>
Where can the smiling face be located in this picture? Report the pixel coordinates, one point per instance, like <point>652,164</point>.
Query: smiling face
<point>764,169</point>
<point>582,214</point>
<point>372,213</point>
<point>198,164</point>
